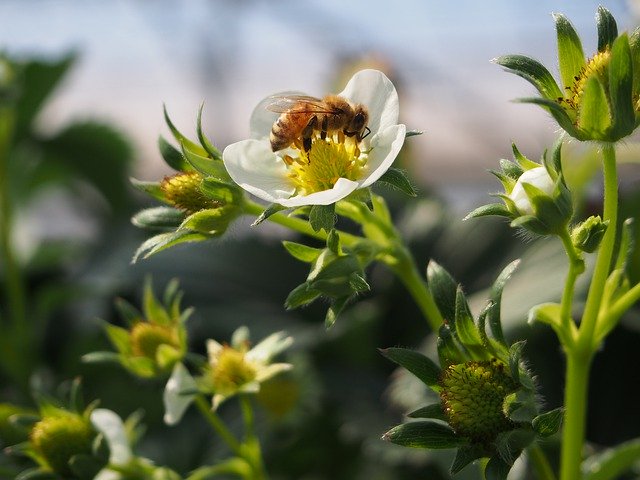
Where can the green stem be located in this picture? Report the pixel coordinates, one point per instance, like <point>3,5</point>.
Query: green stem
<point>404,267</point>
<point>296,224</point>
<point>605,253</point>
<point>624,303</point>
<point>575,401</point>
<point>541,463</point>
<point>251,446</point>
<point>214,420</point>
<point>576,267</point>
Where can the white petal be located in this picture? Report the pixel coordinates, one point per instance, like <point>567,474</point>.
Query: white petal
<point>176,403</point>
<point>341,189</point>
<point>262,119</point>
<point>111,426</point>
<point>385,148</point>
<point>253,166</point>
<point>269,347</point>
<point>271,371</point>
<point>373,89</point>
<point>538,177</point>
<point>213,348</point>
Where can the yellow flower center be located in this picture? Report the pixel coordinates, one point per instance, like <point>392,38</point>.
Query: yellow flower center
<point>147,337</point>
<point>183,191</point>
<point>597,65</point>
<point>231,371</point>
<point>326,161</point>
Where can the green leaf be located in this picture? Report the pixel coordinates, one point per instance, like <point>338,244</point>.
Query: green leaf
<point>534,72</point>
<point>302,252</point>
<point>158,218</point>
<point>570,53</point>
<point>621,87</point>
<point>595,117</point>
<point>607,28</point>
<point>424,434</point>
<point>399,179</point>
<point>322,217</point>
<point>612,462</point>
<point>303,294</point>
<point>430,411</point>
<point>497,209</point>
<point>358,283</point>
<point>172,156</point>
<point>270,210</point>
<point>443,288</point>
<point>333,242</point>
<point>493,315</point>
<point>204,141</point>
<point>235,466</point>
<point>548,423</point>
<point>163,241</point>
<point>496,469</point>
<point>422,367</point>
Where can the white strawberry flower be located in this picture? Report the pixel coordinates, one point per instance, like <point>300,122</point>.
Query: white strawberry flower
<point>331,169</point>
<point>539,178</point>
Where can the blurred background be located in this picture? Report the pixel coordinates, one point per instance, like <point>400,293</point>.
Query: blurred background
<point>101,72</point>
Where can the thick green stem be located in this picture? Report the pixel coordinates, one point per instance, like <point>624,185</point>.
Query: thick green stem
<point>214,420</point>
<point>541,463</point>
<point>575,401</point>
<point>605,253</point>
<point>404,267</point>
<point>251,446</point>
<point>576,267</point>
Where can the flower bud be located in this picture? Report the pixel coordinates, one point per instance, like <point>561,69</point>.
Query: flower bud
<point>587,235</point>
<point>183,192</point>
<point>539,178</point>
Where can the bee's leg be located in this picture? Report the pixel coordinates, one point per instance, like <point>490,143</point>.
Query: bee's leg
<point>325,125</point>
<point>362,137</point>
<point>307,133</point>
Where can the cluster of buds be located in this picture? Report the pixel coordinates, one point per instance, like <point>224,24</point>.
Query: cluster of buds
<point>488,404</point>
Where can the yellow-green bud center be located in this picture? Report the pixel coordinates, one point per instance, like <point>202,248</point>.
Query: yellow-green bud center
<point>231,371</point>
<point>147,337</point>
<point>183,192</point>
<point>597,65</point>
<point>58,439</point>
<point>472,397</point>
<point>326,161</point>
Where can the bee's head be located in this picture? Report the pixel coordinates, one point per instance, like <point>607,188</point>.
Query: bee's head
<point>360,119</point>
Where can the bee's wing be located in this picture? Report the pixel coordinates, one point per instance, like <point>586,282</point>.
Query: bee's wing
<point>284,103</point>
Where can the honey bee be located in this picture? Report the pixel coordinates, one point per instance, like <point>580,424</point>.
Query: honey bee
<point>302,116</point>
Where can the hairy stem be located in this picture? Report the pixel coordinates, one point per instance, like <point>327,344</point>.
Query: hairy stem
<point>216,423</point>
<point>541,463</point>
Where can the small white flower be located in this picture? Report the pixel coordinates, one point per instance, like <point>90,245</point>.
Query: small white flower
<point>539,178</point>
<point>293,178</point>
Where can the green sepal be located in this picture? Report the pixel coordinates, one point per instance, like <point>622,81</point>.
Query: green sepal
<point>235,465</point>
<point>621,88</point>
<point>205,165</point>
<point>570,53</point>
<point>419,365</point>
<point>333,242</point>
<point>430,411</point>
<point>150,188</point>
<point>532,71</point>
<point>443,288</point>
<point>423,434</point>
<point>85,467</point>
<point>496,469</point>
<point>531,223</point>
<point>511,169</point>
<point>558,113</point>
<point>151,308</point>
<point>550,313</point>
<point>37,474</point>
<point>334,279</point>
<point>180,138</point>
<point>158,218</point>
<point>521,160</point>
<point>465,455</point>
<point>634,45</point>
<point>465,328</point>
<point>204,141</point>
<point>323,217</point>
<point>358,283</point>
<point>76,400</point>
<point>119,338</point>
<point>267,212</point>
<point>172,156</point>
<point>515,354</point>
<point>520,406</point>
<point>335,309</point>
<point>211,221</point>
<point>607,28</point>
<point>612,462</point>
<point>302,295</point>
<point>163,241</point>
<point>627,246</point>
<point>302,252</point>
<point>595,117</point>
<point>221,191</point>
<point>100,357</point>
<point>510,444</point>
<point>548,423</point>
<point>493,315</point>
<point>127,312</point>
<point>413,133</point>
<point>399,179</point>
<point>448,351</point>
<point>497,209</point>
